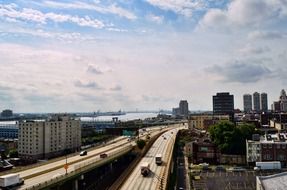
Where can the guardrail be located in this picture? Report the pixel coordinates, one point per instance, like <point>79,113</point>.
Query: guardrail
<point>80,168</point>
<point>73,162</point>
<point>164,175</point>
<point>117,185</point>
<point>19,169</point>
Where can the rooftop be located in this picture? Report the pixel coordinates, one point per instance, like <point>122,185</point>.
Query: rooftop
<point>276,181</point>
<point>272,138</point>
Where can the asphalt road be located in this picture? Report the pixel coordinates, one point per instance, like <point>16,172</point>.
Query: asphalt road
<point>40,175</point>
<point>136,181</point>
<point>181,181</point>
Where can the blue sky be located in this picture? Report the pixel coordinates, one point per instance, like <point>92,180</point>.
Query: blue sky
<point>64,56</point>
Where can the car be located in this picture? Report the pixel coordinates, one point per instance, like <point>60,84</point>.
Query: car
<point>204,164</point>
<point>83,153</point>
<point>103,155</point>
<point>237,169</point>
<point>220,168</point>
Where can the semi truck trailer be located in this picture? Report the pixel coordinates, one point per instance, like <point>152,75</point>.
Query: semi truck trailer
<point>275,165</point>
<point>145,170</point>
<point>10,180</point>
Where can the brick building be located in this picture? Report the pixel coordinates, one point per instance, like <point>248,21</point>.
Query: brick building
<point>267,148</point>
<point>203,151</point>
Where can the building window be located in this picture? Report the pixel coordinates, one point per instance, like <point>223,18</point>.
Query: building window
<point>278,146</point>
<point>283,146</point>
<point>269,157</point>
<point>270,146</point>
<point>281,157</point>
<point>264,145</point>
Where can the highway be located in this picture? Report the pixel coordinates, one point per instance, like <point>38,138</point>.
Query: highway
<point>44,173</point>
<point>61,172</point>
<point>152,181</point>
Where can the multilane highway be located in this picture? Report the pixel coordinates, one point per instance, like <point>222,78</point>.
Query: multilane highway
<point>162,146</point>
<point>41,174</point>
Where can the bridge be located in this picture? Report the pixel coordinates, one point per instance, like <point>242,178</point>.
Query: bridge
<point>51,174</point>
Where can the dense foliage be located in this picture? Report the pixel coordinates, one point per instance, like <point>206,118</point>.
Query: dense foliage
<point>141,143</point>
<point>13,153</point>
<point>95,139</point>
<point>231,139</point>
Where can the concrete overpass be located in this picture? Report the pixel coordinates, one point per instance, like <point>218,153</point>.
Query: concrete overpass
<point>50,174</point>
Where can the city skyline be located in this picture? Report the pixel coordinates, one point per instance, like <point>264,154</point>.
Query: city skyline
<point>88,55</point>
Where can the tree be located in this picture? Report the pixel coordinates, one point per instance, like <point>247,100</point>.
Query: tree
<point>13,153</point>
<point>229,138</point>
<point>141,143</point>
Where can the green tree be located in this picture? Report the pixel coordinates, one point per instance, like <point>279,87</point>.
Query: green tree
<point>141,143</point>
<point>229,138</point>
<point>13,153</point>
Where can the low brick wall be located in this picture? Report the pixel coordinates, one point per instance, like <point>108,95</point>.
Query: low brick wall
<point>233,159</point>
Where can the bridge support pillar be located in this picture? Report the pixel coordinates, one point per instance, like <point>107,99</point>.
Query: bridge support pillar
<point>111,166</point>
<point>76,185</point>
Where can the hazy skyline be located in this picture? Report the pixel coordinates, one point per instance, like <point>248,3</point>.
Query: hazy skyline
<point>70,56</point>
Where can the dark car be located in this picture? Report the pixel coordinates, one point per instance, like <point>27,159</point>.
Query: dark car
<point>220,169</point>
<point>103,155</point>
<point>83,153</point>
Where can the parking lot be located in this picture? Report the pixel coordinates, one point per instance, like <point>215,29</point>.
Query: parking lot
<point>211,180</point>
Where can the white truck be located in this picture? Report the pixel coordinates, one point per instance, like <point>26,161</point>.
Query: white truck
<point>10,180</point>
<point>145,170</point>
<point>274,165</point>
<point>158,159</point>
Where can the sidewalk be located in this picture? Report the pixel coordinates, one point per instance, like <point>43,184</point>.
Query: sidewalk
<point>187,185</point>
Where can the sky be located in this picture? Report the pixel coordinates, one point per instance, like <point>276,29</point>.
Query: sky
<point>93,55</point>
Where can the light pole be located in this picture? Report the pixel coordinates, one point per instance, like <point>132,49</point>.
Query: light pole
<point>66,166</point>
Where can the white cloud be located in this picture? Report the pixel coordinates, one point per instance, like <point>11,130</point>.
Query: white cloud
<point>183,7</point>
<point>155,18</point>
<point>249,50</point>
<point>26,14</point>
<point>234,71</point>
<point>89,84</point>
<point>268,35</point>
<point>244,13</point>
<point>117,30</point>
<point>116,88</point>
<point>112,9</point>
<point>96,69</point>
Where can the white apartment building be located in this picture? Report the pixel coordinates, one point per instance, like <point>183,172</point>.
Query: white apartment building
<point>46,139</point>
<point>253,151</point>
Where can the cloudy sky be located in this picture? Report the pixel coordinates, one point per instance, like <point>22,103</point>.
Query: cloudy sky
<point>70,56</point>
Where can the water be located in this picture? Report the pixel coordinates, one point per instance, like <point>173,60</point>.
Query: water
<point>126,117</point>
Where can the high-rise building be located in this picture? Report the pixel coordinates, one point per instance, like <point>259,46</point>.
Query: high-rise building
<point>7,113</point>
<point>283,101</point>
<point>256,101</point>
<point>175,111</point>
<point>247,102</point>
<point>183,107</point>
<point>264,102</point>
<point>276,106</point>
<point>223,103</point>
<point>47,139</point>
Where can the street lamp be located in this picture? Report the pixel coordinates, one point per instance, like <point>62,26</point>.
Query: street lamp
<point>66,165</point>
<point>66,157</point>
